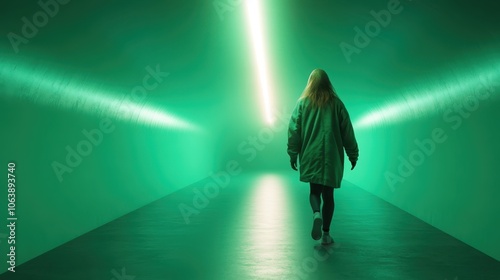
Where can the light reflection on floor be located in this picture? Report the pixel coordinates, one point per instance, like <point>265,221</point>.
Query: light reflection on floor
<point>258,227</point>
<point>267,235</point>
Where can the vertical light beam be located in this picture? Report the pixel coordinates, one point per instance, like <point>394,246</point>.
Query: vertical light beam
<point>256,33</point>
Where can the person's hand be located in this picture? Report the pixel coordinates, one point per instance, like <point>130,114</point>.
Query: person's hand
<point>293,163</point>
<point>353,164</point>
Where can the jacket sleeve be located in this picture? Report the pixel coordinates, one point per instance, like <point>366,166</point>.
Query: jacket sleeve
<point>348,138</point>
<point>294,132</point>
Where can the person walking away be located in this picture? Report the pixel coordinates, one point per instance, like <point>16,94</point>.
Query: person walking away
<point>319,130</point>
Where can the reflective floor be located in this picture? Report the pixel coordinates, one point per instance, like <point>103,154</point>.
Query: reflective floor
<point>258,227</point>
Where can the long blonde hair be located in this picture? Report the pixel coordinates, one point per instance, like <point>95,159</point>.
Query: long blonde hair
<point>319,89</point>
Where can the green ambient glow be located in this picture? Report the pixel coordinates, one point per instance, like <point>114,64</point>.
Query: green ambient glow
<point>52,88</point>
<point>426,99</point>
<point>255,26</point>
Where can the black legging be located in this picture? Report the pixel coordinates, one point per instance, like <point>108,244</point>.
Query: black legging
<point>328,203</point>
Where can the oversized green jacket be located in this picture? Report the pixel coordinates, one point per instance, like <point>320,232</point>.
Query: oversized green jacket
<point>318,136</point>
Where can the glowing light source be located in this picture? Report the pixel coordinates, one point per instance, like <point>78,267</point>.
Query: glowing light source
<point>256,33</point>
<point>46,86</point>
<point>426,100</point>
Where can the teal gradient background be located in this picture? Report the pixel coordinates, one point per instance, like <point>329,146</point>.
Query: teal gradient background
<point>431,60</point>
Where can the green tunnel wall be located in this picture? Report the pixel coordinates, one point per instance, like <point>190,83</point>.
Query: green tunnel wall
<point>401,87</point>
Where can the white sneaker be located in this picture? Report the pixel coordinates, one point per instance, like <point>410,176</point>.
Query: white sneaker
<point>327,239</point>
<point>317,223</point>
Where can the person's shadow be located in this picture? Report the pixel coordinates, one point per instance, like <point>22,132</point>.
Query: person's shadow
<point>326,248</point>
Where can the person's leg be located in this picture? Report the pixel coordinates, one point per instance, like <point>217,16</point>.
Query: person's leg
<point>315,200</point>
<point>315,197</point>
<point>328,207</point>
